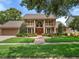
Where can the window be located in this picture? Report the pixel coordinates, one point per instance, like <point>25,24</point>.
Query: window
<point>29,23</point>
<point>39,24</point>
<point>30,30</point>
<point>48,30</point>
<point>49,23</point>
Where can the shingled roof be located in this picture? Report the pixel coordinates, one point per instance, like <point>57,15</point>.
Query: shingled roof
<point>38,16</point>
<point>12,24</point>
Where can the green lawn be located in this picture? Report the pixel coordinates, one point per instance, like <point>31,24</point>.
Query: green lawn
<point>18,40</point>
<point>65,50</point>
<point>62,39</point>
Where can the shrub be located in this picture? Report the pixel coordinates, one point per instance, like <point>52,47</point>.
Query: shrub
<point>23,28</point>
<point>25,35</point>
<point>53,35</point>
<point>46,35</point>
<point>21,34</point>
<point>31,35</point>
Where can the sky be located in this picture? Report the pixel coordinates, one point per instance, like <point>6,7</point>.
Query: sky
<point>6,4</point>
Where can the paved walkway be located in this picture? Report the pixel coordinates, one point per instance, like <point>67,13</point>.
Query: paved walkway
<point>5,37</point>
<point>35,43</point>
<point>39,40</point>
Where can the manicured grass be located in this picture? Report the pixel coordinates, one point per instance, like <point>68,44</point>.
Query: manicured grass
<point>62,39</point>
<point>65,50</point>
<point>18,40</point>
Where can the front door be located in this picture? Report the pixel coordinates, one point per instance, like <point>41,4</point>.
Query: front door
<point>39,27</point>
<point>39,31</point>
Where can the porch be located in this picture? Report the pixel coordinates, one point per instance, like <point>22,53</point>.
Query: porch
<point>40,26</point>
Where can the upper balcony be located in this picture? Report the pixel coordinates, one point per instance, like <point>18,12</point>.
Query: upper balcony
<point>29,24</point>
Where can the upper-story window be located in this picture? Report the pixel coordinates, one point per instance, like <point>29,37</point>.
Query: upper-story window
<point>29,30</point>
<point>39,23</point>
<point>49,23</point>
<point>29,23</point>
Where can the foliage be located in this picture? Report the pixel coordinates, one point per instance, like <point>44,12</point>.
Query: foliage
<point>13,14</point>
<point>31,35</point>
<point>63,39</point>
<point>18,40</point>
<point>60,29</point>
<point>23,28</point>
<point>63,50</point>
<point>21,34</point>
<point>75,24</point>
<point>10,14</point>
<point>25,35</point>
<point>56,7</point>
<point>22,31</point>
<point>2,17</point>
<point>55,35</point>
<point>49,35</point>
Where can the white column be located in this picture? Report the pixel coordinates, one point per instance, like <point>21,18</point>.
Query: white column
<point>55,26</point>
<point>0,31</point>
<point>44,27</point>
<point>54,29</point>
<point>34,26</point>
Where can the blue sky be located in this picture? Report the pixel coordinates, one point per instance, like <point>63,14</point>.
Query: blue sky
<point>6,4</point>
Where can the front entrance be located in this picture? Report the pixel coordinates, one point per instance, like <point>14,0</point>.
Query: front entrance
<point>39,27</point>
<point>39,31</point>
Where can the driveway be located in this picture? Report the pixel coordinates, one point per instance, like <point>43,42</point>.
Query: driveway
<point>5,37</point>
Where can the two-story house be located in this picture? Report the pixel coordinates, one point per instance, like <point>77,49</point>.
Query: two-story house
<point>40,24</point>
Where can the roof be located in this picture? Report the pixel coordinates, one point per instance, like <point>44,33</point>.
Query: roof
<point>38,16</point>
<point>0,25</point>
<point>12,24</point>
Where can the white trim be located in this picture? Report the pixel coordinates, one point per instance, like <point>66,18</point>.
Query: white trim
<point>44,27</point>
<point>34,26</point>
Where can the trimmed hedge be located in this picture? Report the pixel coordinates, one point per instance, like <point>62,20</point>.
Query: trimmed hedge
<point>62,39</point>
<point>25,35</point>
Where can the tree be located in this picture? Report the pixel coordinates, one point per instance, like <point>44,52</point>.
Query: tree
<point>23,28</point>
<point>10,14</point>
<point>2,17</point>
<point>56,7</point>
<point>60,28</point>
<point>75,24</point>
<point>13,14</point>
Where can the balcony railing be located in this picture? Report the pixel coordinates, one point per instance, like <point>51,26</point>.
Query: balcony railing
<point>49,25</point>
<point>29,24</point>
